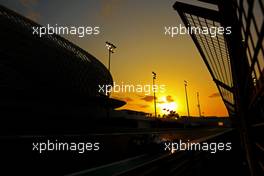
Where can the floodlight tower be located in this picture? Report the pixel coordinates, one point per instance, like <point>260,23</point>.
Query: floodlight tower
<point>187,104</point>
<point>198,105</point>
<point>154,77</point>
<point>110,48</point>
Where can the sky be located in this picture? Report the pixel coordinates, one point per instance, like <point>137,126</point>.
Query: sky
<point>136,27</point>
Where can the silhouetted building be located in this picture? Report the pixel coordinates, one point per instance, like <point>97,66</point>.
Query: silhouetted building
<point>47,78</point>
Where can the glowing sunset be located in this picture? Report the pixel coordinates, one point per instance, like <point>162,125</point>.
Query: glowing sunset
<point>142,47</point>
<point>129,87</point>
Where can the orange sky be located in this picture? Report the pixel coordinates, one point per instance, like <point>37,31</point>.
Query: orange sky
<point>137,29</point>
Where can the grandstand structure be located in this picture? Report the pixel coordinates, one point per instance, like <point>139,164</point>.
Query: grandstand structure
<point>236,64</point>
<point>47,77</point>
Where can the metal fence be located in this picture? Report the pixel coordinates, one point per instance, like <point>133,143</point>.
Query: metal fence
<point>236,64</point>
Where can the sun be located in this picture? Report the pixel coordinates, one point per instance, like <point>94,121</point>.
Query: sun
<point>165,107</point>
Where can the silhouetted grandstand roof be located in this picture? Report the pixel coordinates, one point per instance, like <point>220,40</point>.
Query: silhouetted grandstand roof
<point>48,66</point>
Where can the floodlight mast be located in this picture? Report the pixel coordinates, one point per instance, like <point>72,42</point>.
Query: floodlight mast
<point>187,104</point>
<point>154,77</point>
<point>110,47</point>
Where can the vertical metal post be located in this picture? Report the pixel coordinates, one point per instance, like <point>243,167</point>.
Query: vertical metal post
<point>110,48</point>
<point>239,67</point>
<point>187,104</point>
<point>198,105</point>
<point>154,77</point>
<point>109,57</point>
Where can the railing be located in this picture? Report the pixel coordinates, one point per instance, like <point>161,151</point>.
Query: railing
<point>243,51</point>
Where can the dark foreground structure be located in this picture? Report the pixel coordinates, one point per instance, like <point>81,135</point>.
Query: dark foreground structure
<point>236,64</point>
<point>47,78</point>
<point>49,95</point>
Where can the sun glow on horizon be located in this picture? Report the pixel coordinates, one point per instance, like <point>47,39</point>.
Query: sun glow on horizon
<point>166,106</point>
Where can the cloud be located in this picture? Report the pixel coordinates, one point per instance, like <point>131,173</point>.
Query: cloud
<point>140,95</point>
<point>128,99</point>
<point>143,106</point>
<point>214,95</point>
<point>169,99</point>
<point>148,98</point>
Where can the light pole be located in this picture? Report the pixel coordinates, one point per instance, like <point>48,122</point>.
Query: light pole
<point>110,48</point>
<point>154,77</point>
<point>187,104</point>
<point>198,105</point>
